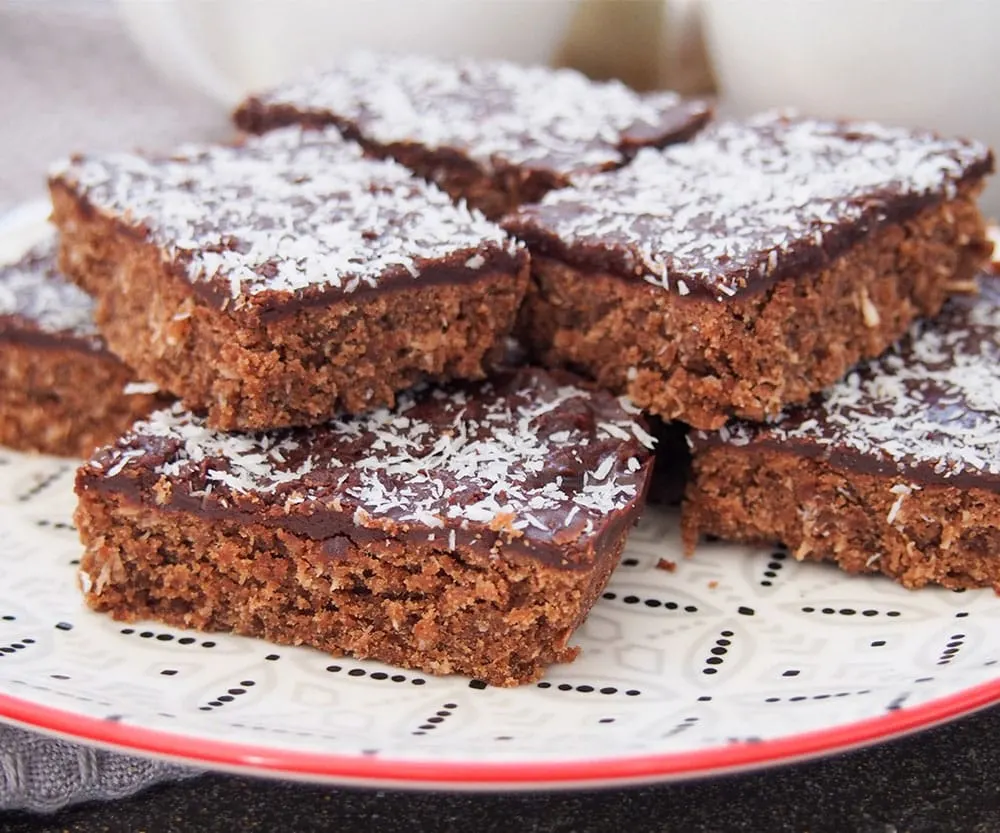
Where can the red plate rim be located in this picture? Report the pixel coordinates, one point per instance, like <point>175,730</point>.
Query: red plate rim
<point>512,775</point>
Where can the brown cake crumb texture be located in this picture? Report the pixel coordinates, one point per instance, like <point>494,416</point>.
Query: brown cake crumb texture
<point>702,362</point>
<point>65,402</point>
<point>865,523</point>
<point>467,612</point>
<point>317,294</point>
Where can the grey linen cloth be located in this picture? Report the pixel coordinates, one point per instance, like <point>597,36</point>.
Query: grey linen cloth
<point>42,774</point>
<point>70,80</point>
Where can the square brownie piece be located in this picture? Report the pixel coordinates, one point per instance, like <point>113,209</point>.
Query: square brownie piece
<point>469,530</point>
<point>286,279</point>
<point>893,470</point>
<point>492,133</point>
<point>61,391</point>
<point>752,266</point>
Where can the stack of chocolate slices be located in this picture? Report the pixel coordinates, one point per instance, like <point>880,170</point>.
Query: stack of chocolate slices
<point>359,461</point>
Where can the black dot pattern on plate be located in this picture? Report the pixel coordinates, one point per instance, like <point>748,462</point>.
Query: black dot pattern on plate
<point>587,688</point>
<point>717,654</point>
<point>951,649</point>
<point>15,647</point>
<point>773,570</point>
<point>684,725</point>
<point>630,562</point>
<point>63,626</point>
<point>278,730</point>
<point>60,693</point>
<point>164,636</point>
<point>897,702</point>
<point>748,739</point>
<point>375,675</point>
<point>229,697</point>
<point>8,617</point>
<point>802,698</point>
<point>60,525</point>
<point>42,484</point>
<point>635,601</point>
<point>436,719</point>
<point>867,612</point>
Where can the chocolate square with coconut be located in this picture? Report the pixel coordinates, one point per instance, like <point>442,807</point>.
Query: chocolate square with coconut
<point>754,265</point>
<point>491,133</point>
<point>285,279</point>
<point>467,530</point>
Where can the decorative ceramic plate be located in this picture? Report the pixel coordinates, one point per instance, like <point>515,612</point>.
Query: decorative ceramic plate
<point>738,657</point>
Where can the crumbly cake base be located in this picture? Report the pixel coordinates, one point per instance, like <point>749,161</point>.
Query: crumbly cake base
<point>298,368</point>
<point>702,361</point>
<point>498,619</point>
<point>932,535</point>
<point>65,401</point>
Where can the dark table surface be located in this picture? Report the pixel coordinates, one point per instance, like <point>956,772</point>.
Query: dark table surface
<point>944,779</point>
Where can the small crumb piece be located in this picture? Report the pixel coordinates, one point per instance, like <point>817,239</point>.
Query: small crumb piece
<point>713,584</point>
<point>869,312</point>
<point>664,564</point>
<point>963,287</point>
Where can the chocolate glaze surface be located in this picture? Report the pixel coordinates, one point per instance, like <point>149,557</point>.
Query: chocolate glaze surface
<point>536,462</point>
<point>495,113</point>
<point>38,306</point>
<point>928,410</point>
<point>744,204</point>
<point>290,218</point>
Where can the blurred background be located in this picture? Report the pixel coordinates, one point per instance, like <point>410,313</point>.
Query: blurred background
<point>103,74</point>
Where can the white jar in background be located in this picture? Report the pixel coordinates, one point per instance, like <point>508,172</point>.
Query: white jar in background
<point>917,63</point>
<point>227,48</point>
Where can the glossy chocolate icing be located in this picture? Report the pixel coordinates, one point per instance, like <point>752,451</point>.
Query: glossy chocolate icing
<point>293,218</point>
<point>532,463</point>
<point>745,204</point>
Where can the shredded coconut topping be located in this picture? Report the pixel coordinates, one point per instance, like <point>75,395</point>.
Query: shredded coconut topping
<point>491,111</point>
<point>288,211</point>
<point>931,406</point>
<point>529,452</point>
<point>744,202</point>
<point>34,290</point>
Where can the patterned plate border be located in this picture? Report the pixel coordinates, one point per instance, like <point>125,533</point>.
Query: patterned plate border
<point>597,772</point>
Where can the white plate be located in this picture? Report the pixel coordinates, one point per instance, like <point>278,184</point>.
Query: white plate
<point>739,657</point>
